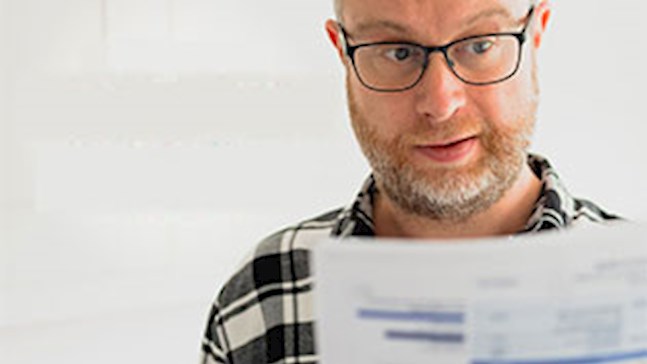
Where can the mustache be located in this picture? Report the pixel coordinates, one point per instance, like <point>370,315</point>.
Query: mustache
<point>450,130</point>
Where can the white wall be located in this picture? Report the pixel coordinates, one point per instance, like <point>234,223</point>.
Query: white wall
<point>593,118</point>
<point>147,144</point>
<point>146,153</point>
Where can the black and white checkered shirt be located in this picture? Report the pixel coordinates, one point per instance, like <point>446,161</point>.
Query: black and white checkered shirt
<point>264,312</point>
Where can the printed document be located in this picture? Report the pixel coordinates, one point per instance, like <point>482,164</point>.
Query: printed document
<point>570,297</point>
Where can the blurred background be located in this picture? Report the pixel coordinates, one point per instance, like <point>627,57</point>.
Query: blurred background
<point>147,145</point>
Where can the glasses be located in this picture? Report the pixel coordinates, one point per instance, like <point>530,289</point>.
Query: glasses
<point>477,60</point>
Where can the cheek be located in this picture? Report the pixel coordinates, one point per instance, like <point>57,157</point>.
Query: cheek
<point>389,114</point>
<point>506,102</point>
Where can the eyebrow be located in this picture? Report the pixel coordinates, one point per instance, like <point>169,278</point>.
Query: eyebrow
<point>367,26</point>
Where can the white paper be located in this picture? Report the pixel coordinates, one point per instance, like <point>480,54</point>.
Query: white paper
<point>571,297</point>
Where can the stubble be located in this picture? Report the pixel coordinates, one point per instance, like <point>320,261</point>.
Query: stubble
<point>450,194</point>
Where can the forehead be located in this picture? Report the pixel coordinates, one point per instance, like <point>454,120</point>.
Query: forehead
<point>439,17</point>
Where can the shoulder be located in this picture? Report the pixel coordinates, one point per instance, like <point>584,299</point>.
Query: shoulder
<point>266,264</point>
<point>253,302</point>
<point>556,207</point>
<point>588,211</point>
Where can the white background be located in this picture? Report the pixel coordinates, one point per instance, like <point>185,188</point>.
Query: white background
<point>146,145</point>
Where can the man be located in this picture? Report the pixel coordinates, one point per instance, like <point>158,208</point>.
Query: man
<point>442,96</point>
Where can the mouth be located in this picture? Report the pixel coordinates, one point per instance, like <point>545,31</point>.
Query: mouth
<point>449,152</point>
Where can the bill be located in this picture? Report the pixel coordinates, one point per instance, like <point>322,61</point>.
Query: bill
<point>574,297</point>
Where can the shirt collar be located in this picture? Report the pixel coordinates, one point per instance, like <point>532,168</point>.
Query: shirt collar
<point>554,209</point>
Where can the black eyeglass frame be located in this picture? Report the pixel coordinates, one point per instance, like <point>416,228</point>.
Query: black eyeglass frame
<point>520,36</point>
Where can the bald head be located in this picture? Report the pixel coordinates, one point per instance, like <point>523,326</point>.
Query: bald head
<point>339,4</point>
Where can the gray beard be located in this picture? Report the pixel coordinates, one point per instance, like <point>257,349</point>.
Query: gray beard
<point>454,199</point>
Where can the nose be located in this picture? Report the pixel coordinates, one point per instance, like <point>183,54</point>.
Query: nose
<point>440,94</point>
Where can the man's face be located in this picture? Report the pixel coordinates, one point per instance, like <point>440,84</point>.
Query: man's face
<point>443,149</point>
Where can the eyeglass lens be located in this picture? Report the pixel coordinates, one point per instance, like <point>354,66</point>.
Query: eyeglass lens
<point>478,60</point>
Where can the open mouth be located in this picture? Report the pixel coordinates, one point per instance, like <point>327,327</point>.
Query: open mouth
<point>451,152</point>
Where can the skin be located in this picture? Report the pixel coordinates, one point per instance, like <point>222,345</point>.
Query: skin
<point>442,108</point>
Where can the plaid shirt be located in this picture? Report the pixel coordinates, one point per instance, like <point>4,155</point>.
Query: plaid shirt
<point>264,312</point>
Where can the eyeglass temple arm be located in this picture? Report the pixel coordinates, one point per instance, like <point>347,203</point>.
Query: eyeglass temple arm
<point>343,42</point>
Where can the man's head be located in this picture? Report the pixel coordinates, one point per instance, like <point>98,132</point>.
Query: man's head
<point>444,129</point>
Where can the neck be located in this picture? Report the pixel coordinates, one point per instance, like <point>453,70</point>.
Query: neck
<point>507,216</point>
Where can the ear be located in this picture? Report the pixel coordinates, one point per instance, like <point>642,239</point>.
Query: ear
<point>542,15</point>
<point>334,35</point>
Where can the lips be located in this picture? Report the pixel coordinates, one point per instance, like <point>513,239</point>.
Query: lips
<point>450,152</point>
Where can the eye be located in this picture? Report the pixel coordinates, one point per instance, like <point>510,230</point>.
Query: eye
<point>479,46</point>
<point>401,53</point>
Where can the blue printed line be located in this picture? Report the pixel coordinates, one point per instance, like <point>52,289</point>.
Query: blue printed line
<point>453,338</point>
<point>430,316</point>
<point>609,358</point>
